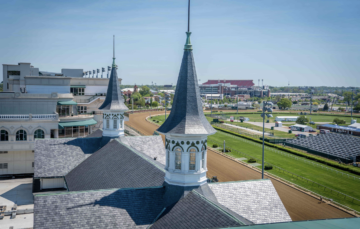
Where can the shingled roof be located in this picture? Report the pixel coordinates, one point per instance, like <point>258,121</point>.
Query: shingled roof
<point>256,200</point>
<point>116,208</point>
<point>187,116</point>
<point>115,166</point>
<point>57,157</point>
<point>114,100</point>
<point>196,211</point>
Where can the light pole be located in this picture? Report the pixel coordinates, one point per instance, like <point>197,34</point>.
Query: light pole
<point>211,100</point>
<point>165,104</point>
<point>352,101</point>
<point>237,98</point>
<point>132,105</point>
<point>267,107</point>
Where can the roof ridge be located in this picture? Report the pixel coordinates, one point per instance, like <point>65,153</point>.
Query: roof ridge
<point>239,181</point>
<point>140,154</point>
<point>218,207</point>
<point>97,190</point>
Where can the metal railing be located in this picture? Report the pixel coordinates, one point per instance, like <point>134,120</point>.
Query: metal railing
<point>30,116</point>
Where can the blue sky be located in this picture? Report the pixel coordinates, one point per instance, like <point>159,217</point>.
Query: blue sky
<point>307,42</point>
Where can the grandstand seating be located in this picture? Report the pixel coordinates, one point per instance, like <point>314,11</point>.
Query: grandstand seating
<point>333,146</point>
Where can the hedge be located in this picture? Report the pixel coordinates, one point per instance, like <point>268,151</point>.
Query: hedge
<point>251,160</point>
<point>227,150</point>
<point>295,152</point>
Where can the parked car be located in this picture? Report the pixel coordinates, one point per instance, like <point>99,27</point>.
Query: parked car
<point>312,130</point>
<point>324,131</point>
<point>300,136</point>
<point>312,123</point>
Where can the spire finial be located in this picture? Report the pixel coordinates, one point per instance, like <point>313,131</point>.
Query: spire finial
<point>189,17</point>
<point>113,65</point>
<point>188,45</point>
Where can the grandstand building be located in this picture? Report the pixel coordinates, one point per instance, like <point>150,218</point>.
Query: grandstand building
<point>234,87</point>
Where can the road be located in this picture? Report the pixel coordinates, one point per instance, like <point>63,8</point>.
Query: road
<point>299,205</point>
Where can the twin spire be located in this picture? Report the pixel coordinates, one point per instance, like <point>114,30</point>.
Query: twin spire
<point>114,100</point>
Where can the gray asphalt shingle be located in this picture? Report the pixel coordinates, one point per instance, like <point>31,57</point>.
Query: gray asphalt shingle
<point>187,116</point>
<point>255,200</point>
<point>195,211</point>
<point>115,166</point>
<point>123,208</point>
<point>56,157</point>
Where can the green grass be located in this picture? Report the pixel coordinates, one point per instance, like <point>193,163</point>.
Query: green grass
<point>160,118</point>
<point>328,178</point>
<point>314,117</point>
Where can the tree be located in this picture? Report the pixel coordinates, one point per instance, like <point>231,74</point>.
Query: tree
<point>144,91</point>
<point>284,103</point>
<point>136,96</point>
<point>154,104</point>
<point>326,107</point>
<point>315,103</point>
<point>347,97</point>
<point>339,121</point>
<point>302,120</point>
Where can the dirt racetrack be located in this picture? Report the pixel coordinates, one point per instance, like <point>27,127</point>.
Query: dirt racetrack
<point>299,205</point>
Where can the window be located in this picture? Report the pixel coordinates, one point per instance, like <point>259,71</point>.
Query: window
<point>13,73</point>
<point>77,91</point>
<point>178,158</point>
<point>3,165</point>
<point>82,109</point>
<point>121,123</point>
<point>4,136</point>
<point>203,159</point>
<point>7,85</point>
<point>192,161</point>
<point>107,124</point>
<point>33,164</point>
<point>21,135</point>
<point>115,124</point>
<point>39,134</point>
<point>168,158</point>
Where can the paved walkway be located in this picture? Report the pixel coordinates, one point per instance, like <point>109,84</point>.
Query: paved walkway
<point>283,129</point>
<point>247,129</point>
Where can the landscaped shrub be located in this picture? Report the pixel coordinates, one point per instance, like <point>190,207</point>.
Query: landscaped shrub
<point>215,145</point>
<point>339,121</point>
<point>251,160</point>
<point>157,121</point>
<point>227,150</point>
<point>295,152</point>
<point>268,167</point>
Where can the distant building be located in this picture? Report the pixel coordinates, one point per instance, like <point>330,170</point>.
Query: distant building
<point>234,87</point>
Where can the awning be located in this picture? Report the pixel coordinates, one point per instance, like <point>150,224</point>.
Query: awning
<point>70,102</point>
<point>77,86</point>
<point>79,123</point>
